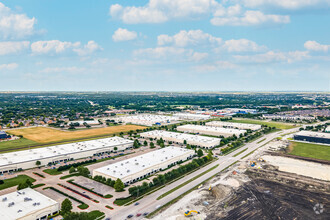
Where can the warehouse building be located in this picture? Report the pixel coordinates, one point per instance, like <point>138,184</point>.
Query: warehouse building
<point>60,153</point>
<point>225,124</point>
<point>180,138</point>
<point>312,136</point>
<point>148,120</point>
<point>193,117</point>
<point>137,168</point>
<point>210,130</point>
<point>27,204</point>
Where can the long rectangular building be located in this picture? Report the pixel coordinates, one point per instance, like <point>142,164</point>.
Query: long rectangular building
<point>210,130</point>
<point>27,158</point>
<point>180,138</point>
<point>148,119</point>
<point>27,204</point>
<point>189,116</point>
<point>311,136</point>
<point>225,124</point>
<point>139,167</point>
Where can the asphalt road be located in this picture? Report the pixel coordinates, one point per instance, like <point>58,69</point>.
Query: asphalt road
<point>150,203</point>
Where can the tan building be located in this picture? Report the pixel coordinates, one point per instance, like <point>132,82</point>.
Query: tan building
<point>27,204</point>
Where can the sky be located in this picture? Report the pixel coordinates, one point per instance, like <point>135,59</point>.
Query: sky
<point>165,45</point>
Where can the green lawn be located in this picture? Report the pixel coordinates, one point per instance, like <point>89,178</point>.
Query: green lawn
<point>52,171</point>
<point>316,151</point>
<point>22,142</point>
<point>122,201</point>
<point>277,125</point>
<point>15,181</point>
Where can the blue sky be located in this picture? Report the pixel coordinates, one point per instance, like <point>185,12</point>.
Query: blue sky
<point>165,45</point>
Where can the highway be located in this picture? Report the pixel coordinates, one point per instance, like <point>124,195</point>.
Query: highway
<point>150,203</point>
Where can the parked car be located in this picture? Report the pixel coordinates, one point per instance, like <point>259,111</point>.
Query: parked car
<point>130,216</point>
<point>137,203</point>
<point>145,214</point>
<point>139,214</point>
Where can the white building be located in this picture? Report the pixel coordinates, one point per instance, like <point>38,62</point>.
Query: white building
<point>288,117</point>
<point>225,124</point>
<point>200,141</point>
<point>27,159</point>
<point>147,119</point>
<point>189,116</point>
<point>136,168</point>
<point>27,204</point>
<point>210,130</point>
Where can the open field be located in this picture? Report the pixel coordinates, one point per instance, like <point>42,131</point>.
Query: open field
<point>47,135</point>
<point>16,143</point>
<point>277,125</point>
<point>316,151</point>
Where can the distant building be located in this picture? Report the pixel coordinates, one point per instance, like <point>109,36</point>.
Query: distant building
<point>3,135</point>
<point>225,124</point>
<point>210,130</point>
<point>311,136</point>
<point>189,116</point>
<point>147,119</point>
<point>27,204</point>
<point>288,117</point>
<point>180,138</point>
<point>139,167</point>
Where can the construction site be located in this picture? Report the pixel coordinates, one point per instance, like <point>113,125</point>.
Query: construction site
<point>264,185</point>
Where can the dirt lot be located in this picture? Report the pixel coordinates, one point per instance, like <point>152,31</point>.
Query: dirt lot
<point>46,135</point>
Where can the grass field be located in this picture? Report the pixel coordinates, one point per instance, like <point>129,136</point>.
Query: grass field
<point>316,151</point>
<point>277,125</point>
<point>16,143</point>
<point>15,181</point>
<point>47,135</point>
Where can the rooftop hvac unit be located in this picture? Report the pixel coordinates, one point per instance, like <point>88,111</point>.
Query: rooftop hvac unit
<point>11,204</point>
<point>19,211</point>
<point>4,199</point>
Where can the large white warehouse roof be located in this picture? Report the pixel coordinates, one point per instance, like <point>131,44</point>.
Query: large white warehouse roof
<point>23,203</point>
<point>137,164</point>
<point>211,130</point>
<point>253,127</point>
<point>147,119</point>
<point>60,150</point>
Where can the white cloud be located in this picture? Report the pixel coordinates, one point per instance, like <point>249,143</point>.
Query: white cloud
<point>160,52</point>
<point>124,35</point>
<point>13,47</point>
<point>188,38</point>
<point>242,45</point>
<point>251,18</point>
<point>218,65</point>
<point>88,48</point>
<point>197,56</point>
<point>58,47</point>
<point>9,66</point>
<point>13,25</point>
<point>71,69</point>
<point>273,57</point>
<point>158,11</point>
<point>286,4</point>
<point>315,46</point>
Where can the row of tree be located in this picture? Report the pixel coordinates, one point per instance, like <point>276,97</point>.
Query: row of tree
<point>68,166</point>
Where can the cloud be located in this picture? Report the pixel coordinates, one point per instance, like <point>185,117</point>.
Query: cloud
<point>160,52</point>
<point>218,65</point>
<point>9,66</point>
<point>71,69</point>
<point>88,48</point>
<point>188,38</point>
<point>13,25</point>
<point>124,35</point>
<point>251,18</point>
<point>286,4</point>
<point>242,45</point>
<point>273,57</point>
<point>13,47</point>
<point>197,56</point>
<point>158,11</point>
<point>58,47</point>
<point>315,46</point>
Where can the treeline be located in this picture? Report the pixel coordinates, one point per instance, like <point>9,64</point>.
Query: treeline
<point>68,166</point>
<point>162,179</point>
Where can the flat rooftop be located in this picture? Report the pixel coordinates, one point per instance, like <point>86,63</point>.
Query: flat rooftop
<point>233,124</point>
<point>134,165</point>
<point>313,134</point>
<point>182,136</point>
<point>212,129</point>
<point>147,118</point>
<point>190,115</point>
<point>23,203</point>
<point>60,150</point>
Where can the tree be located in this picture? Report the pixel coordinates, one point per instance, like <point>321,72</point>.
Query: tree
<point>72,170</point>
<point>162,145</point>
<point>38,163</point>
<point>84,171</point>
<point>184,142</point>
<point>136,144</point>
<point>152,145</point>
<point>200,153</point>
<point>119,185</point>
<point>145,143</point>
<point>77,216</point>
<point>115,148</point>
<point>66,206</point>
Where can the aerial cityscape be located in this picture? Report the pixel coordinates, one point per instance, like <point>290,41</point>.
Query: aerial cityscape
<point>165,110</point>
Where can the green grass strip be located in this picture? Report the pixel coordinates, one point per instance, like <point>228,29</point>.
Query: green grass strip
<point>240,152</point>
